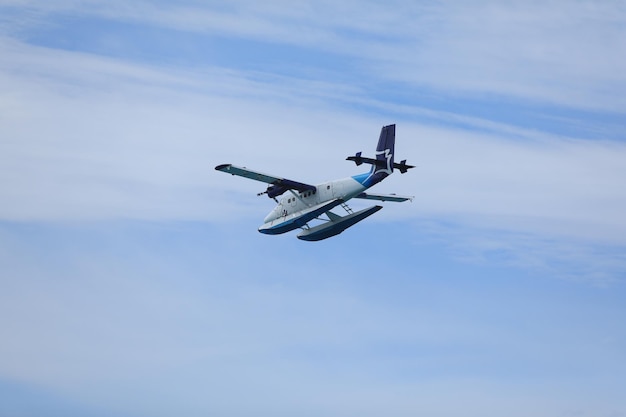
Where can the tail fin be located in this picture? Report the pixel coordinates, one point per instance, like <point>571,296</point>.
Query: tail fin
<point>383,165</point>
<point>385,150</point>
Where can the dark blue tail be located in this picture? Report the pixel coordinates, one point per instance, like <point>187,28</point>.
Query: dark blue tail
<point>385,150</point>
<point>383,165</point>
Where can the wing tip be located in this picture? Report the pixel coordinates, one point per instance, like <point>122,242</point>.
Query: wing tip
<point>223,167</point>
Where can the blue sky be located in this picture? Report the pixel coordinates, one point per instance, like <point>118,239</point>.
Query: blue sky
<point>134,282</point>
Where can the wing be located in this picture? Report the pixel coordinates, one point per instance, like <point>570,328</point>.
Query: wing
<point>277,185</point>
<point>383,197</point>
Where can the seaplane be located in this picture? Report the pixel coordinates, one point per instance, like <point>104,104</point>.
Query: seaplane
<point>302,203</point>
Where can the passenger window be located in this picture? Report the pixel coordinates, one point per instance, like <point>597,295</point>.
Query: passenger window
<point>328,187</point>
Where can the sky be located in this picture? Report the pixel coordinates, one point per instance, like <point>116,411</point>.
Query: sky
<point>134,281</point>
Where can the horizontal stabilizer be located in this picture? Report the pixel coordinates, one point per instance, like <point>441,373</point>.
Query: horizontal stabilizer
<point>402,166</point>
<point>359,160</point>
<point>383,197</point>
<point>336,226</point>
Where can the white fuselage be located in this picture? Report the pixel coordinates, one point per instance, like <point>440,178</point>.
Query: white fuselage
<point>293,203</point>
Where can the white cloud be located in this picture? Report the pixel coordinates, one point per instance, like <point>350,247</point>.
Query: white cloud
<point>559,52</point>
<point>557,183</point>
<point>95,137</point>
<point>89,137</point>
<point>111,320</point>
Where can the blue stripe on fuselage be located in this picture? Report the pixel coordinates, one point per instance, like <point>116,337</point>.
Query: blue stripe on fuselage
<point>370,178</point>
<point>362,178</point>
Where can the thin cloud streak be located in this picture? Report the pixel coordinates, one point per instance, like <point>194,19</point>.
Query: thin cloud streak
<point>555,52</point>
<point>115,138</point>
<point>134,281</point>
<point>120,140</point>
<point>106,154</point>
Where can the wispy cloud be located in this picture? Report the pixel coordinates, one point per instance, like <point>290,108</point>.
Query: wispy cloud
<point>99,137</point>
<point>89,136</point>
<point>120,110</point>
<point>556,52</point>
